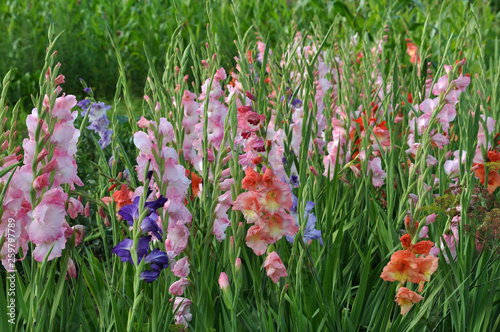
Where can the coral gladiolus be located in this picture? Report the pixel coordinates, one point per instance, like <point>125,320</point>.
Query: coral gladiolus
<point>405,298</point>
<point>426,267</point>
<point>493,176</point>
<point>402,267</point>
<point>122,197</point>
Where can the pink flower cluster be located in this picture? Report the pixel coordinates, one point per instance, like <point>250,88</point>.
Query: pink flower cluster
<point>265,205</point>
<point>45,223</point>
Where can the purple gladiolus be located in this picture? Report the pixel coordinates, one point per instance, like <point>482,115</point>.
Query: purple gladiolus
<point>130,213</point>
<point>98,120</point>
<point>310,232</point>
<point>158,261</point>
<point>123,248</point>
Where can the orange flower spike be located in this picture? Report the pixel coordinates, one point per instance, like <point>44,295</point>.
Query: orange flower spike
<point>405,298</point>
<point>112,187</point>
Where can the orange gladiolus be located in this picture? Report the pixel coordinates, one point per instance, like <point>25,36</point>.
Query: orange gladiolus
<point>493,176</point>
<point>402,267</point>
<point>405,298</point>
<point>122,197</point>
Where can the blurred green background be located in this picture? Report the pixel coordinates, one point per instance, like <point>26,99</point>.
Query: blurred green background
<point>85,50</point>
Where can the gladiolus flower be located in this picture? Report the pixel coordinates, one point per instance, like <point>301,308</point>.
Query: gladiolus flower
<point>248,204</point>
<point>405,298</point>
<point>181,268</point>
<point>426,267</point>
<point>378,174</point>
<point>275,268</point>
<point>178,287</point>
<point>255,241</point>
<point>422,247</point>
<point>71,270</point>
<point>412,51</point>
<point>402,267</point>
<point>122,197</point>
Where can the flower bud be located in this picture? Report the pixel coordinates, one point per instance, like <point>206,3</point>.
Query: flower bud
<point>223,281</point>
<point>237,263</point>
<point>52,165</point>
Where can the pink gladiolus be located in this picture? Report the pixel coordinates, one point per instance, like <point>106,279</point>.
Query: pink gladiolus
<point>275,268</point>
<point>181,309</point>
<point>181,268</point>
<point>378,174</point>
<point>450,238</point>
<point>255,241</point>
<point>79,231</point>
<point>220,225</point>
<point>178,287</point>
<point>75,207</point>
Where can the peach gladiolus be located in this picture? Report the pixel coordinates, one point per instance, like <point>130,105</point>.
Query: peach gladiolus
<point>402,267</point>
<point>493,176</point>
<point>412,51</point>
<point>405,298</point>
<point>251,180</point>
<point>426,267</point>
<point>274,267</point>
<point>249,205</point>
<point>422,247</point>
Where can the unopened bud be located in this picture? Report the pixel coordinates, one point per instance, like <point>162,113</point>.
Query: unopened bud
<point>250,96</point>
<point>223,281</point>
<point>42,155</point>
<point>41,182</point>
<point>313,170</point>
<point>86,211</point>
<point>237,263</point>
<point>59,80</point>
<point>101,212</point>
<point>52,165</point>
